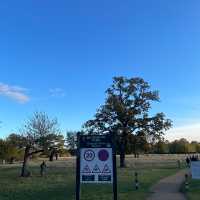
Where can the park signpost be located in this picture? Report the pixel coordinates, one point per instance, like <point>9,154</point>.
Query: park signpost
<point>195,169</point>
<point>96,161</point>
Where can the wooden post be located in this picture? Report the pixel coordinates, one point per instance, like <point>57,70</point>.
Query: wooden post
<point>114,167</point>
<point>78,168</point>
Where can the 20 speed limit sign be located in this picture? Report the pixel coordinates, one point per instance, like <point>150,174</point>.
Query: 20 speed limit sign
<point>89,155</point>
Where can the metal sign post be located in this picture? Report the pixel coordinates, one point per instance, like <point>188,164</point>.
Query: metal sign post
<point>114,168</point>
<point>96,161</point>
<point>78,168</point>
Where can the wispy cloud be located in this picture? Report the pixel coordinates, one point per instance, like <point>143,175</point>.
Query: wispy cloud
<point>57,92</point>
<point>189,131</point>
<point>14,92</point>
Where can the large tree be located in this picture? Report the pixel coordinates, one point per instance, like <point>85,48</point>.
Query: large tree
<point>126,111</point>
<point>38,135</point>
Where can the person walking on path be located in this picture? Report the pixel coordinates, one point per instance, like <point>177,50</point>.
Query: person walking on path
<point>169,188</point>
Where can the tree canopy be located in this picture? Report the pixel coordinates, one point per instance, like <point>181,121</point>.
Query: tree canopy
<point>127,111</point>
<point>39,134</point>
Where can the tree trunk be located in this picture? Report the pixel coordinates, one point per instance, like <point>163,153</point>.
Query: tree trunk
<point>11,160</point>
<point>122,159</point>
<point>56,156</point>
<point>135,147</point>
<point>51,155</point>
<point>27,154</point>
<point>122,153</point>
<point>24,171</point>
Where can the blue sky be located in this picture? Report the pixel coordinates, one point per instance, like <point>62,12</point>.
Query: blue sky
<point>60,56</point>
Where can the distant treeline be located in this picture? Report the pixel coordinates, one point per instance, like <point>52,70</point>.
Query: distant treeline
<point>139,145</point>
<point>11,149</point>
<point>177,147</point>
<point>181,146</point>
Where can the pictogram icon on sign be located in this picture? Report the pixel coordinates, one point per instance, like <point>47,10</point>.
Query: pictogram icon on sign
<point>86,170</point>
<point>103,155</point>
<point>96,169</point>
<point>106,169</point>
<point>89,155</point>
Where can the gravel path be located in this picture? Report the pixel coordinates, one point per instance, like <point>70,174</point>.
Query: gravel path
<point>169,188</point>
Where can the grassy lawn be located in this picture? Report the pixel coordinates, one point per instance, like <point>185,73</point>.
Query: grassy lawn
<point>194,190</point>
<point>59,184</point>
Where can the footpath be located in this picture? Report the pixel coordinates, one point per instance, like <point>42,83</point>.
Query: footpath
<point>169,188</point>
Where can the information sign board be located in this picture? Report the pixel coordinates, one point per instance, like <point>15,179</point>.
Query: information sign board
<point>96,161</point>
<point>96,165</point>
<point>195,169</point>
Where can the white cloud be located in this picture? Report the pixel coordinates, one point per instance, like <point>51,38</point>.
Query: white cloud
<point>57,92</point>
<point>190,132</point>
<point>14,92</point>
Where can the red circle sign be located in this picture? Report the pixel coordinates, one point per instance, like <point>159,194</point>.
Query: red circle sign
<point>103,155</point>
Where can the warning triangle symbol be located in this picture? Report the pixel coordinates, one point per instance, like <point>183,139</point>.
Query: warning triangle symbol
<point>106,169</point>
<point>86,170</point>
<point>96,169</point>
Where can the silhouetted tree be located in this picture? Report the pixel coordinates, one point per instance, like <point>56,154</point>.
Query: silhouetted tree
<point>126,111</point>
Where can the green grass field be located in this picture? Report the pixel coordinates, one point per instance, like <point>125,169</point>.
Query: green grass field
<point>193,192</point>
<point>59,184</point>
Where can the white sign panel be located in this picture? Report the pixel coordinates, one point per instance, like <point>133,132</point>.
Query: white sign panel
<point>195,169</point>
<point>96,165</point>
